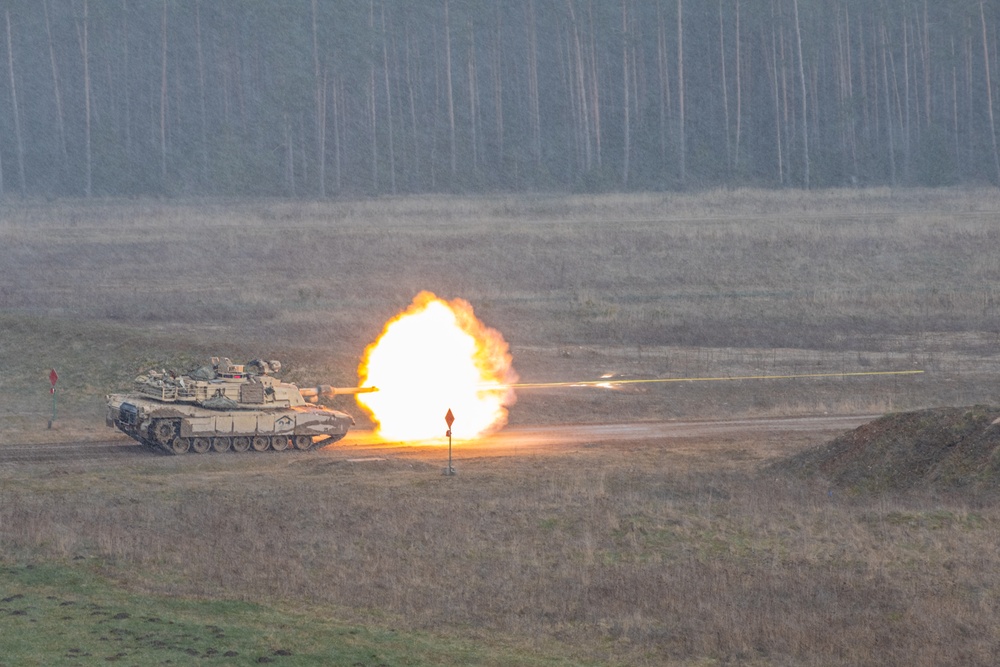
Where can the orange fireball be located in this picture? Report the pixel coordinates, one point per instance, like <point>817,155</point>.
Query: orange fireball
<point>433,357</point>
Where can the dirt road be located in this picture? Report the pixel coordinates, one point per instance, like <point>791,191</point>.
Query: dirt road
<point>537,439</point>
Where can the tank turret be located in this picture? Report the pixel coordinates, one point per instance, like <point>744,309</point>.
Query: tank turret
<point>225,406</point>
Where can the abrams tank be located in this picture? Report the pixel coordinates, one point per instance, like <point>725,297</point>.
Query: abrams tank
<point>226,406</point>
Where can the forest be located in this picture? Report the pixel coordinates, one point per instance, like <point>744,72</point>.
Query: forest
<point>342,98</point>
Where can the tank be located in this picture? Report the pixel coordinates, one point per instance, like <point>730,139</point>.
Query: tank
<point>227,407</point>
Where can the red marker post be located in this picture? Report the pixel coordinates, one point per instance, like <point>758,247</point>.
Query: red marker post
<point>449,419</point>
<point>53,377</point>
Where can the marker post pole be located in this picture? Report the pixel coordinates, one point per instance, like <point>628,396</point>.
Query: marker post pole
<point>52,379</point>
<point>449,419</point>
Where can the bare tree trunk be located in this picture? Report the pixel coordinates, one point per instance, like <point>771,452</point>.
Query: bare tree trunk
<point>776,83</point>
<point>289,158</point>
<point>664,77</point>
<point>578,90</point>
<point>926,55</point>
<point>110,83</point>
<point>127,93</point>
<point>594,93</point>
<point>876,52</point>
<point>906,102</point>
<point>82,33</point>
<point>302,151</point>
<point>869,96</point>
<point>388,104</point>
<point>227,86</point>
<point>739,88</point>
<point>60,117</point>
<point>626,129</point>
<point>163,96</point>
<point>895,83</point>
<point>638,70</point>
<point>498,89</point>
<point>849,81</point>
<point>437,111</point>
<point>411,95</point>
<point>319,81</point>
<point>337,115</point>
<point>323,128</point>
<point>449,92</point>
<point>813,88</point>
<point>533,92</point>
<point>989,93</point>
<point>17,113</point>
<point>473,98</point>
<point>841,88</point>
<point>372,110</point>
<point>805,101</point>
<point>201,95</point>
<point>786,113</point>
<point>888,108</point>
<point>954,102</point>
<point>682,139</point>
<point>568,72</point>
<point>581,90</point>
<point>969,106</point>
<point>725,89</point>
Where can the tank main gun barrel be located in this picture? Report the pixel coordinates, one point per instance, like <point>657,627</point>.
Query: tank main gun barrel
<point>312,394</point>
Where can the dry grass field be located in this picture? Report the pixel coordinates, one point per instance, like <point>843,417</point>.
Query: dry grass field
<point>689,552</point>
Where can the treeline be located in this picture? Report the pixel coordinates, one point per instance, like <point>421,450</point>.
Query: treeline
<point>321,98</point>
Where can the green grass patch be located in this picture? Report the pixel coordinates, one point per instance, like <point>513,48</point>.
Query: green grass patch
<point>65,614</point>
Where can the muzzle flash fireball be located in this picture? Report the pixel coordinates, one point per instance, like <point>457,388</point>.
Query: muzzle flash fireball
<point>432,357</point>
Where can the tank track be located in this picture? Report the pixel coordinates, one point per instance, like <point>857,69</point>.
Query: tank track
<point>164,435</point>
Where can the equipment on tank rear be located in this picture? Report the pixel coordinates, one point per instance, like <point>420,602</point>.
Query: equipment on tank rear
<point>227,406</point>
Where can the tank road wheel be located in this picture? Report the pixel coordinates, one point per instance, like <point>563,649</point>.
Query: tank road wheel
<point>201,445</point>
<point>279,443</point>
<point>303,442</point>
<point>221,444</point>
<point>241,443</point>
<point>260,443</point>
<point>163,431</point>
<point>179,445</point>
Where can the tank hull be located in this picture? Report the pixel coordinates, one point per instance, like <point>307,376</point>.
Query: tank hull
<point>178,428</point>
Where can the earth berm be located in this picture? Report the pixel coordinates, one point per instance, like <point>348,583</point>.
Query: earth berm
<point>938,449</point>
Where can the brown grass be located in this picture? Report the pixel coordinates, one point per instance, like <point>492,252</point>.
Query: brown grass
<point>634,554</point>
<point>941,449</point>
<point>643,553</point>
<point>721,283</point>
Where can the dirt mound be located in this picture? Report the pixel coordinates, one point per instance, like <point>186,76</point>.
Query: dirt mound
<point>937,449</point>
